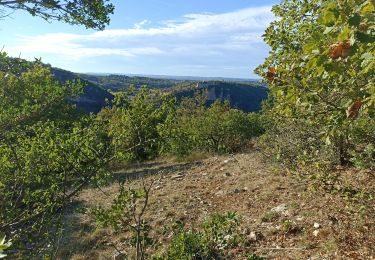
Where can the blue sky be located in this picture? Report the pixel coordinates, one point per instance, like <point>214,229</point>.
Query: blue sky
<point>159,37</point>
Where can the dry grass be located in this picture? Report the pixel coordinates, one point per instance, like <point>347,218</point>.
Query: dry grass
<point>191,191</point>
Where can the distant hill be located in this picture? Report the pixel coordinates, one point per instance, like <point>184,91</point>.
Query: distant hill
<point>122,82</point>
<point>173,77</point>
<point>243,95</point>
<point>246,95</point>
<point>94,97</point>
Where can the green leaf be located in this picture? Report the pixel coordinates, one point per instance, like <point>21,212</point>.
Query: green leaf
<point>355,20</point>
<point>344,35</point>
<point>368,8</point>
<point>329,29</point>
<point>365,38</point>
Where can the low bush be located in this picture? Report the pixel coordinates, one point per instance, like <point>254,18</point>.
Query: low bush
<point>217,233</point>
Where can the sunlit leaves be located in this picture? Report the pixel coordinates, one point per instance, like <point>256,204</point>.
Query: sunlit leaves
<point>47,152</point>
<point>90,13</point>
<point>324,53</point>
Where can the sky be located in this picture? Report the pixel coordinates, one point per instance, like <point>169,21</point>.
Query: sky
<point>208,38</point>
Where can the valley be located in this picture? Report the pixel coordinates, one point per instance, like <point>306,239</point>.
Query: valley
<point>244,95</point>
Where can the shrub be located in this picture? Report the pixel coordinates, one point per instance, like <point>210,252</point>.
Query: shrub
<point>218,233</point>
<point>133,122</point>
<point>320,75</point>
<point>217,129</point>
<point>47,153</point>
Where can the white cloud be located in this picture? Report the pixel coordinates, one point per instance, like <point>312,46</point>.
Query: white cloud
<point>141,24</point>
<point>195,36</point>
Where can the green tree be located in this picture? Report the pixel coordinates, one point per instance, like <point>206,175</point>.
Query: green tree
<point>321,78</point>
<point>48,153</point>
<point>133,123</point>
<point>219,128</point>
<point>90,13</point>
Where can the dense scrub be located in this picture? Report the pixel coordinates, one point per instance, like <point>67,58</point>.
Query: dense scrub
<point>216,129</point>
<point>149,123</point>
<point>321,110</point>
<point>48,152</point>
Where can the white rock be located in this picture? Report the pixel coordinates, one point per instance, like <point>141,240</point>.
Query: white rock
<point>219,193</point>
<point>316,233</point>
<point>316,225</point>
<point>253,236</point>
<point>279,209</point>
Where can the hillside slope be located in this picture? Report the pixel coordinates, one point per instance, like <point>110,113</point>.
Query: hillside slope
<point>93,98</point>
<point>281,216</point>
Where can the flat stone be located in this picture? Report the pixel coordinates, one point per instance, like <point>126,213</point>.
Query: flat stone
<point>219,193</point>
<point>280,209</point>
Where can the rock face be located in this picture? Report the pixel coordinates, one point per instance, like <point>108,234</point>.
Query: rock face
<point>247,97</point>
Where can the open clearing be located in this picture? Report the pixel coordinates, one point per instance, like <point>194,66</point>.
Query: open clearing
<point>303,223</point>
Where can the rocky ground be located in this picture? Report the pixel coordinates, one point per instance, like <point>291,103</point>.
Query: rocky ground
<point>281,215</point>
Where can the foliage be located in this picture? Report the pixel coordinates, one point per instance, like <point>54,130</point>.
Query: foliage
<point>218,232</point>
<point>321,81</point>
<point>48,152</point>
<point>3,245</point>
<point>133,122</point>
<point>92,14</point>
<point>148,123</point>
<point>127,214</point>
<point>216,129</point>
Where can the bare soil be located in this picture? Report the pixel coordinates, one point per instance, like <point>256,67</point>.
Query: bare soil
<point>311,223</point>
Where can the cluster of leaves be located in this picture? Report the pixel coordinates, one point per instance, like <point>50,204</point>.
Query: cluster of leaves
<point>90,13</point>
<point>218,233</point>
<point>321,80</point>
<point>3,245</point>
<point>48,152</point>
<point>133,123</point>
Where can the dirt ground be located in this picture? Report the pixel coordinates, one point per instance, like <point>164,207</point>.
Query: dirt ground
<point>290,220</point>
